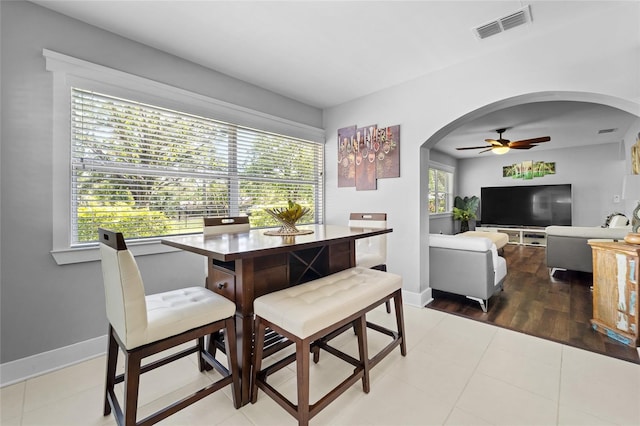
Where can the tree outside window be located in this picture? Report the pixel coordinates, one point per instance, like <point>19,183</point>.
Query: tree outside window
<point>147,171</point>
<point>440,191</point>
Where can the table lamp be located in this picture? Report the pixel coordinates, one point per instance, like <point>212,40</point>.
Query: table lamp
<point>631,191</point>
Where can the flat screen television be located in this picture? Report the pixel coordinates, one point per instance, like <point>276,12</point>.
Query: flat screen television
<point>530,205</point>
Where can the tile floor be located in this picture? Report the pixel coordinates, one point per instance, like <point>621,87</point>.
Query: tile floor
<point>457,372</point>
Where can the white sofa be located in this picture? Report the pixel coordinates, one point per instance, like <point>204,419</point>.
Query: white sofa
<point>468,266</point>
<point>567,246</point>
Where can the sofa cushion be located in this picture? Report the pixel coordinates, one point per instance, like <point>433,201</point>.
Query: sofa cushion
<point>588,231</point>
<point>467,243</point>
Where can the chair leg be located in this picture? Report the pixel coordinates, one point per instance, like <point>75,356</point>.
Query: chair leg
<point>131,386</point>
<point>260,330</point>
<point>231,347</point>
<point>112,359</point>
<point>202,364</point>
<point>397,301</point>
<point>383,268</point>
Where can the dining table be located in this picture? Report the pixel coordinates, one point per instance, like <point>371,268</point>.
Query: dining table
<point>244,266</point>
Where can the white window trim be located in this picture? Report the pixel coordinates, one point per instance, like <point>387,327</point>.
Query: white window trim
<point>449,169</point>
<point>69,71</point>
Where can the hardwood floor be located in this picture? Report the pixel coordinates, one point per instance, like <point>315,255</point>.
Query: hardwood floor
<point>557,308</point>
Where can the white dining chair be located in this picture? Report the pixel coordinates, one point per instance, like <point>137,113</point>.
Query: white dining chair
<point>371,252</point>
<point>222,225</point>
<point>143,325</point>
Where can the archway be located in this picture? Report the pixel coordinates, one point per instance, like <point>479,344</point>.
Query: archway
<point>595,98</point>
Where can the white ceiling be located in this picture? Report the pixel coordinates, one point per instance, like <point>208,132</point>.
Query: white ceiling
<point>325,53</point>
<point>569,124</point>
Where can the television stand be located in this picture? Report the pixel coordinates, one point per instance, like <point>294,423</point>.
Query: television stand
<point>520,236</point>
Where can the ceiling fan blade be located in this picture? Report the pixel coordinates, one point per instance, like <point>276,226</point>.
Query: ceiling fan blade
<point>522,147</point>
<point>493,142</point>
<point>530,141</point>
<point>486,150</point>
<point>472,147</point>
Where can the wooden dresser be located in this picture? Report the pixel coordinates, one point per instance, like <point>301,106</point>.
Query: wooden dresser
<point>615,290</point>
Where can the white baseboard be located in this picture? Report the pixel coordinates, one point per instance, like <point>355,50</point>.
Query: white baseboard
<point>36,365</point>
<point>419,300</point>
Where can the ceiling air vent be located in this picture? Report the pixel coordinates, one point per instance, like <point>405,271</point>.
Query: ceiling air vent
<point>520,17</point>
<point>603,131</point>
<point>488,30</point>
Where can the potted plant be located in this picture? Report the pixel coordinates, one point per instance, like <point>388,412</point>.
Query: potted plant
<point>464,209</point>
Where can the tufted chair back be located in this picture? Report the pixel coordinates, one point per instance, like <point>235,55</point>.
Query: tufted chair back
<point>123,289</point>
<point>370,251</point>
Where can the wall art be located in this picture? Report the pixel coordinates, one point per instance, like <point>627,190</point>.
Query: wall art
<point>529,170</point>
<point>367,154</point>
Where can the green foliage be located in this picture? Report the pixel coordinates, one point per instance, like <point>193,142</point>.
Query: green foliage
<point>150,174</point>
<point>465,208</point>
<point>120,217</point>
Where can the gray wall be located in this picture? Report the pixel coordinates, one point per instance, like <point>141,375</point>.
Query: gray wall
<point>45,306</point>
<point>595,174</point>
<point>564,64</point>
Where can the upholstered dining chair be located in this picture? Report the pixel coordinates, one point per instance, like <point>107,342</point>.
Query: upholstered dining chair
<point>371,252</point>
<point>223,225</point>
<point>141,325</point>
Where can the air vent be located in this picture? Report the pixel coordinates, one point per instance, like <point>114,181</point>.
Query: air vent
<point>488,30</point>
<point>603,131</point>
<point>520,17</point>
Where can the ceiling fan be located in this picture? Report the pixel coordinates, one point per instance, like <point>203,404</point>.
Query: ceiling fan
<point>502,146</point>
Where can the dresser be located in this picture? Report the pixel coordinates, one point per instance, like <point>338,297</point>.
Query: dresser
<point>615,290</point>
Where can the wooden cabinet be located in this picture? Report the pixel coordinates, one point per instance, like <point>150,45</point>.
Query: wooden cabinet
<point>615,290</point>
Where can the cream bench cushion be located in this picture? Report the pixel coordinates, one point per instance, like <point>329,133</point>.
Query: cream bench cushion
<point>308,308</point>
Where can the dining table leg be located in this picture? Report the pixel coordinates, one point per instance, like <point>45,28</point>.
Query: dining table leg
<point>244,327</point>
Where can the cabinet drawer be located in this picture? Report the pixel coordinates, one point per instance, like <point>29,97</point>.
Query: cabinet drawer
<point>222,282</point>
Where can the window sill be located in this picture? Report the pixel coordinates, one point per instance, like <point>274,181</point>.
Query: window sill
<point>92,253</point>
<point>440,215</point>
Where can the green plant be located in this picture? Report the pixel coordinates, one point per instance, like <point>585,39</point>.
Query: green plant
<point>464,209</point>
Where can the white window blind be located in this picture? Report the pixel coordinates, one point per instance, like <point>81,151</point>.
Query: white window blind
<point>148,171</point>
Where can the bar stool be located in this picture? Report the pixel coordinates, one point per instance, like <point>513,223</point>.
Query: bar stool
<point>371,252</point>
<point>142,325</point>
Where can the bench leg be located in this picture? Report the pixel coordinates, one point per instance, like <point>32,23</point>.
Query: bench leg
<point>360,326</point>
<point>302,364</point>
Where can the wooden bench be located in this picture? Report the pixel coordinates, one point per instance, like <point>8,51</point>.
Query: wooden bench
<point>310,315</point>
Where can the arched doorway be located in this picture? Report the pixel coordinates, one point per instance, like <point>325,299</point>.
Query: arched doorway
<point>593,98</point>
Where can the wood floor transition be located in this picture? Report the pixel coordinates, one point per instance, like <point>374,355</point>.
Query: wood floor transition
<point>557,308</point>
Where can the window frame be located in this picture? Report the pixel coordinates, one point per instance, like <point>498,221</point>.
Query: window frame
<point>451,185</point>
<point>71,72</point>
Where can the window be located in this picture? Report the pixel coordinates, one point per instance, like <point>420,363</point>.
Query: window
<point>151,159</point>
<point>440,189</point>
<point>148,171</point>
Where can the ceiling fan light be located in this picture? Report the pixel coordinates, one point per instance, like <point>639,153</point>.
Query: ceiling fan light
<point>500,150</point>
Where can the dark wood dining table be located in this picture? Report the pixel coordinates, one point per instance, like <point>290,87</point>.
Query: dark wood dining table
<point>247,265</point>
